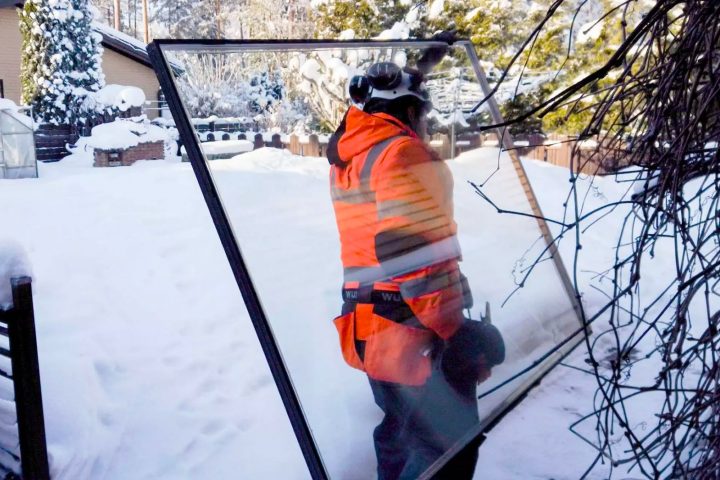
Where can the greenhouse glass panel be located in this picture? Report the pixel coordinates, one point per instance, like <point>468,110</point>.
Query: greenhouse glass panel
<point>17,145</point>
<point>332,297</point>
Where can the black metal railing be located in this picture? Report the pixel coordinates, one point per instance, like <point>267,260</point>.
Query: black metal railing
<point>23,448</point>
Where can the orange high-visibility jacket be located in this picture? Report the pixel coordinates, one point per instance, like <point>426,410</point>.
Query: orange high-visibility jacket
<point>392,197</point>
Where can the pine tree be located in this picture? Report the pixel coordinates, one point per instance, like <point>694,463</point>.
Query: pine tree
<point>367,18</point>
<point>593,43</point>
<point>60,58</point>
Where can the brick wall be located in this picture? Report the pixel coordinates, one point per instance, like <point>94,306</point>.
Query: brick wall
<point>117,157</point>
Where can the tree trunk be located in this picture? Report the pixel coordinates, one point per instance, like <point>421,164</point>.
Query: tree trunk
<point>117,15</point>
<point>146,29</point>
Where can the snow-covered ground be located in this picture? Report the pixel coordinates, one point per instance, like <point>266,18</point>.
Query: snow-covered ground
<point>150,366</point>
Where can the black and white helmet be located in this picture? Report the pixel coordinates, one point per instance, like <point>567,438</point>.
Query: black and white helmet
<point>386,80</point>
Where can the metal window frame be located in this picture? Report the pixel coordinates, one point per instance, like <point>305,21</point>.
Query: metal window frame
<point>298,421</point>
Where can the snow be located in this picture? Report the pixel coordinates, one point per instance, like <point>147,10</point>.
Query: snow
<point>436,9</point>
<point>472,13</point>
<point>11,109</point>
<point>311,70</point>
<point>128,40</point>
<point>151,368</point>
<point>122,134</point>
<point>120,96</point>
<point>13,263</point>
<point>223,147</point>
<point>399,31</point>
<point>412,16</point>
<point>348,34</point>
<point>7,104</point>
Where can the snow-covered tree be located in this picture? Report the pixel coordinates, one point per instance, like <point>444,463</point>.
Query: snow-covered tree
<point>170,18</point>
<point>266,19</point>
<point>60,58</point>
<point>105,11</point>
<point>272,19</point>
<point>595,36</point>
<point>193,18</point>
<point>565,48</point>
<point>366,18</point>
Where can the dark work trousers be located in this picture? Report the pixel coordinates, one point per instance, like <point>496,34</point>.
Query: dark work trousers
<point>420,424</point>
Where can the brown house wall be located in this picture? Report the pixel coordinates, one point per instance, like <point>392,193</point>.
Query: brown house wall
<point>117,68</point>
<point>123,71</point>
<point>10,53</point>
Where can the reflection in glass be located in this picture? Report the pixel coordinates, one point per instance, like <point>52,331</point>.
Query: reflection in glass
<point>375,285</point>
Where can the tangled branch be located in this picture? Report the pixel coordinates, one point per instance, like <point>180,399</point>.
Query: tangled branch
<point>656,116</point>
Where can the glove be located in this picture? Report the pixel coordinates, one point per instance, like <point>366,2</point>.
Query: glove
<point>447,36</point>
<point>470,354</point>
<point>433,56</point>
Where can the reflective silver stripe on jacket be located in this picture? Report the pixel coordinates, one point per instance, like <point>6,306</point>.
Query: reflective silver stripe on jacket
<point>355,196</point>
<point>361,194</point>
<point>424,256</point>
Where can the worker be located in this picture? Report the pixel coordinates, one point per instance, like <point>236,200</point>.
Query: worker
<point>402,319</point>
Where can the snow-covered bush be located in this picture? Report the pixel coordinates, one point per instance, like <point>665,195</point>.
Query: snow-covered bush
<point>113,99</point>
<point>252,91</point>
<point>60,58</point>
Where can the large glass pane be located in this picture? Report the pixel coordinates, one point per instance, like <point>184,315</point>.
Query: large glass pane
<point>263,115</point>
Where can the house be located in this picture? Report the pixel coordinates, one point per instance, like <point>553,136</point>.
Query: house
<point>124,59</point>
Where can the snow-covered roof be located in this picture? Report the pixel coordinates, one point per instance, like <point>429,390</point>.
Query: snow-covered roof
<point>122,43</point>
<point>127,45</point>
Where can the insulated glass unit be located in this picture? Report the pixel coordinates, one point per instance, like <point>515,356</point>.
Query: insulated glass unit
<point>256,119</point>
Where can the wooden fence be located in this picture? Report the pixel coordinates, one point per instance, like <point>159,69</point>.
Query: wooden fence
<point>23,448</point>
<point>51,141</point>
<point>587,156</point>
<point>590,157</point>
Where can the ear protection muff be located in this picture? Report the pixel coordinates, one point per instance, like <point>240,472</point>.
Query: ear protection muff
<point>359,88</point>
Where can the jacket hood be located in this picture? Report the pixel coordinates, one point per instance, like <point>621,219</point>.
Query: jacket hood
<point>359,131</point>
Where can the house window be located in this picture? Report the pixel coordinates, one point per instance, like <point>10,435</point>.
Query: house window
<point>2,89</point>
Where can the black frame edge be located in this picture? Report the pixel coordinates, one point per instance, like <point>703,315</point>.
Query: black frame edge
<point>237,264</point>
<point>250,296</point>
<point>26,381</point>
<point>170,42</point>
<point>494,419</point>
